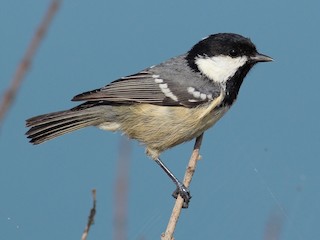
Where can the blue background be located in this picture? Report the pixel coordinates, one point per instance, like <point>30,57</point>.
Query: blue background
<point>260,163</point>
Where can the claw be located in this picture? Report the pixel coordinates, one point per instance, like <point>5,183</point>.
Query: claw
<point>181,190</point>
<point>184,192</point>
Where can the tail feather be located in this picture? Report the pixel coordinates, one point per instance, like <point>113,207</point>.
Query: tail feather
<point>42,135</point>
<point>41,128</point>
<point>49,117</point>
<point>52,125</point>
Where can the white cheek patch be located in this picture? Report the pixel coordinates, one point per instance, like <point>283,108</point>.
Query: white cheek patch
<point>220,68</point>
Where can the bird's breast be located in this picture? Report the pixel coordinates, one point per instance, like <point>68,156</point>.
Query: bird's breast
<point>163,127</point>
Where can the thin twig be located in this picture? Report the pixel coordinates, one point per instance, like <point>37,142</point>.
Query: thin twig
<point>11,92</point>
<point>168,234</point>
<point>91,216</point>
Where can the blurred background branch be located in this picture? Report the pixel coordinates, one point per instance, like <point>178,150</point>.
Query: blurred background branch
<point>274,226</point>
<point>121,191</point>
<point>10,94</point>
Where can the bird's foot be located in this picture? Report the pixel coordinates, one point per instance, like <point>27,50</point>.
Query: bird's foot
<point>184,192</point>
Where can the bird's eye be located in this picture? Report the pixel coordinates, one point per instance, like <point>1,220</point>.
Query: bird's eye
<point>233,53</point>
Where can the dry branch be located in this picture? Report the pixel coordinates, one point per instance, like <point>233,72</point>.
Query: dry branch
<point>168,234</point>
<point>91,217</point>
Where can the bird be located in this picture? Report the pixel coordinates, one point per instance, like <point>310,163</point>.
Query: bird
<point>163,105</point>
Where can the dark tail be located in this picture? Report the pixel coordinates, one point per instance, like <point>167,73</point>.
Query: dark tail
<point>49,126</point>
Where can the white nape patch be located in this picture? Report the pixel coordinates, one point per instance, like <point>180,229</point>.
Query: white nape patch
<point>220,68</point>
<point>164,88</point>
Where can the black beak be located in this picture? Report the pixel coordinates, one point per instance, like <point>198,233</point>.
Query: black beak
<point>261,58</point>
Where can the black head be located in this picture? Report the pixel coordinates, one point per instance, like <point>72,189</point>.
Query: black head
<point>225,44</point>
<point>225,59</point>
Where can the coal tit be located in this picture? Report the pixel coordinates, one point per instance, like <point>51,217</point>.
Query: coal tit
<point>163,105</point>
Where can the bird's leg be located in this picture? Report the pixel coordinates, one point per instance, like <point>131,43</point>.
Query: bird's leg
<point>182,190</point>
